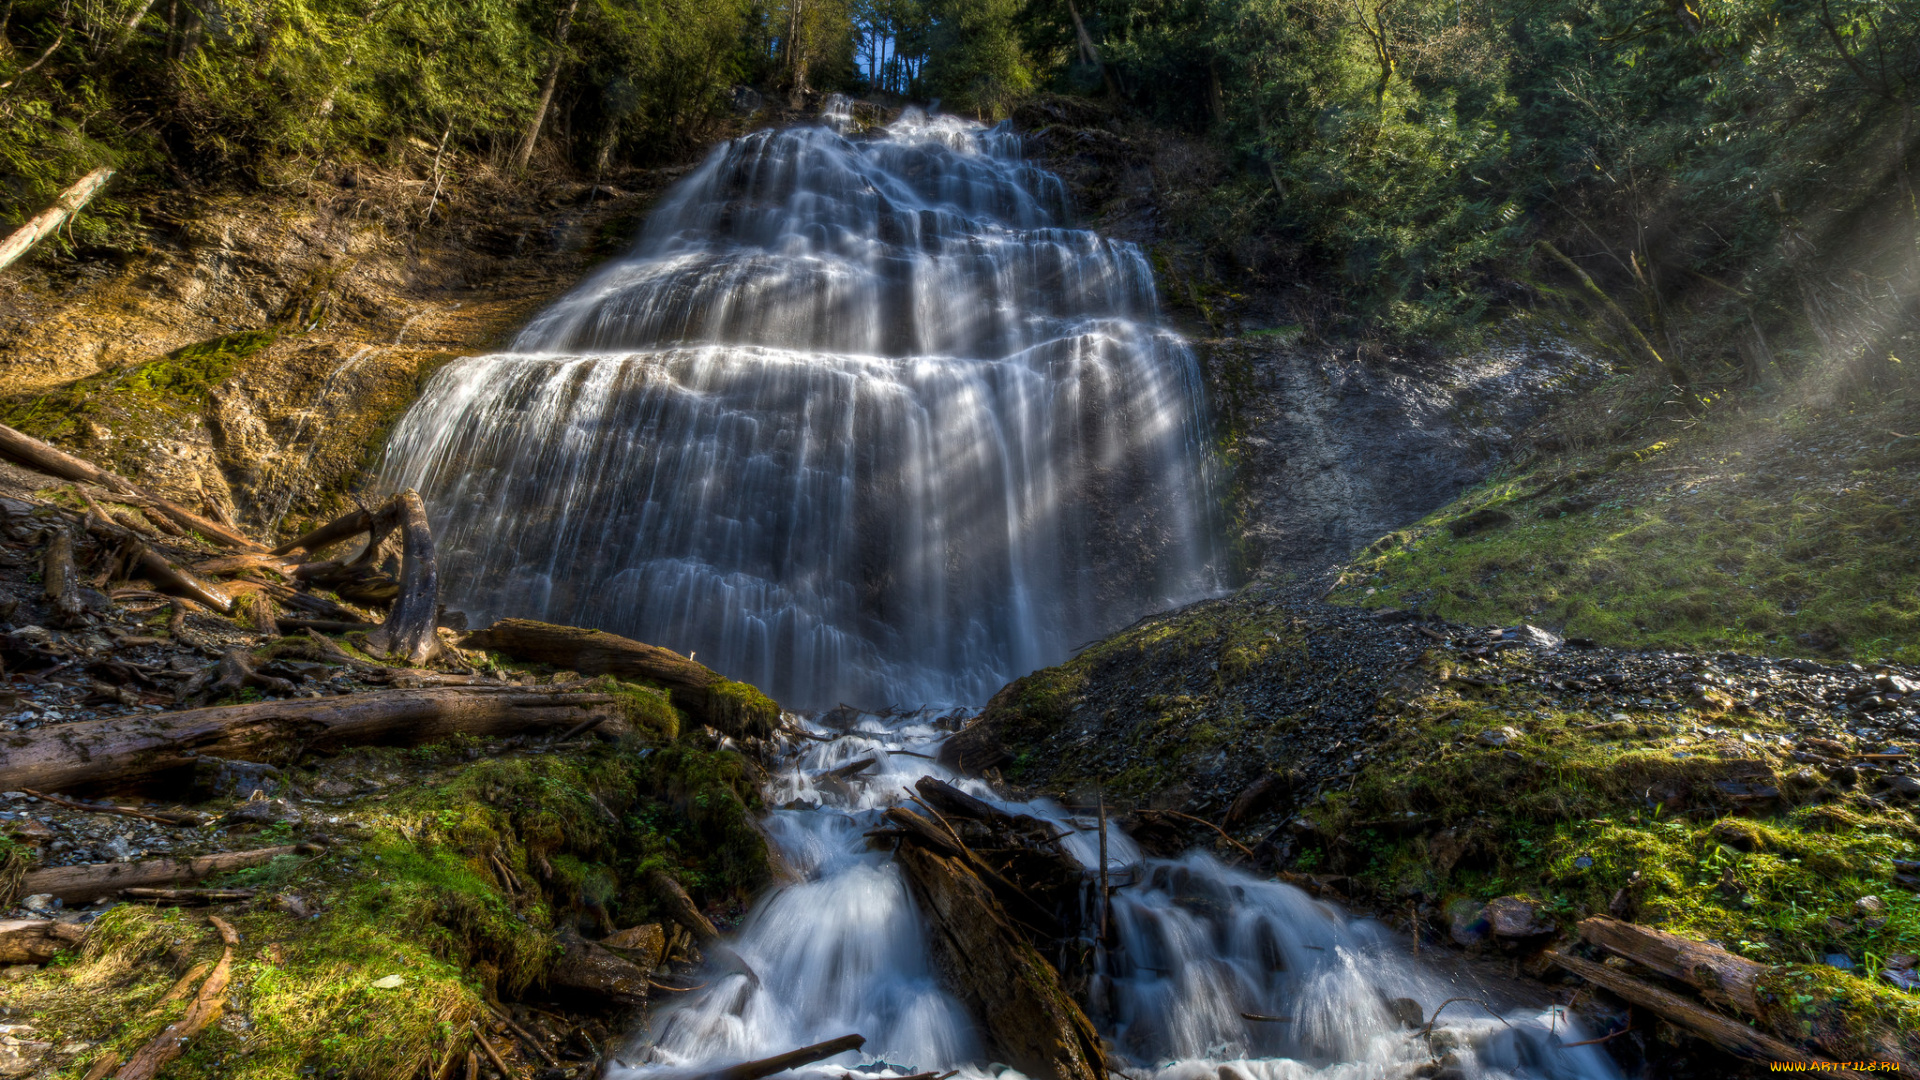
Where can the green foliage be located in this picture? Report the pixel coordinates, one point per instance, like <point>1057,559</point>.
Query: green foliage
<point>977,63</point>
<point>1708,165</point>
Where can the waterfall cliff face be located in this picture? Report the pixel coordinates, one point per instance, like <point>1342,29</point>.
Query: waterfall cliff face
<point>858,420</point>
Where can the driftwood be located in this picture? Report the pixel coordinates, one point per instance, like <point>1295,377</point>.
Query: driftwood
<point>91,881</point>
<point>493,1055</point>
<point>236,674</point>
<point>680,907</point>
<point>48,221</point>
<point>1018,998</point>
<point>167,575</point>
<point>806,1055</point>
<point>36,941</point>
<point>24,449</point>
<point>1727,1034</point>
<point>172,1041</point>
<point>123,752</point>
<point>695,688</point>
<point>1719,975</point>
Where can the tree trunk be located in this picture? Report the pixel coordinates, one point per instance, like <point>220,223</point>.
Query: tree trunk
<point>48,221</point>
<point>1729,1035</point>
<point>1022,1005</point>
<point>1719,975</point>
<point>90,881</point>
<point>1089,52</point>
<point>124,752</point>
<point>547,85</point>
<point>409,632</point>
<point>697,689</point>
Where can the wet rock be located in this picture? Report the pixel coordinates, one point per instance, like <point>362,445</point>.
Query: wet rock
<point>260,812</point>
<point>1516,917</point>
<point>1406,1012</point>
<point>1467,923</point>
<point>30,832</point>
<point>1534,637</point>
<point>1901,787</point>
<point>1271,790</point>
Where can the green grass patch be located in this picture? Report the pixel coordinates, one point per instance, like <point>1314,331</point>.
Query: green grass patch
<point>1700,547</point>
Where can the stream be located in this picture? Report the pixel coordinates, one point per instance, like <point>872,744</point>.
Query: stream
<point>1197,944</point>
<point>861,420</point>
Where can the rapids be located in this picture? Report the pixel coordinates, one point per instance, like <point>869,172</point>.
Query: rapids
<point>841,949</point>
<point>857,420</point>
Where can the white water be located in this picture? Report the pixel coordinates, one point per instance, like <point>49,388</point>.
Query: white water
<point>858,420</point>
<point>842,950</point>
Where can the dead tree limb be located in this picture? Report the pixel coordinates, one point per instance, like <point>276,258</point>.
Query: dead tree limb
<point>126,751</point>
<point>163,818</point>
<point>90,881</point>
<point>1598,297</point>
<point>806,1055</point>
<point>23,449</point>
<point>36,941</point>
<point>172,1040</point>
<point>1725,1033</point>
<point>165,574</point>
<point>680,907</point>
<point>187,896</point>
<point>48,221</point>
<point>1719,975</point>
<point>698,690</point>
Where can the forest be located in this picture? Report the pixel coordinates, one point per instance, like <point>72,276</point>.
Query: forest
<point>1739,173</point>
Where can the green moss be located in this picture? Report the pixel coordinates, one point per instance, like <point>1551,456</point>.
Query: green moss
<point>648,710</point>
<point>1589,815</point>
<point>113,411</point>
<point>1688,553</point>
<point>741,709</point>
<point>456,882</point>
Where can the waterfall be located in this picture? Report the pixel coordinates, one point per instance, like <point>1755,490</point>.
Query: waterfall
<point>859,419</point>
<point>1197,946</point>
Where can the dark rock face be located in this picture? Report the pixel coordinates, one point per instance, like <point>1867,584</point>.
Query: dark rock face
<point>1334,452</point>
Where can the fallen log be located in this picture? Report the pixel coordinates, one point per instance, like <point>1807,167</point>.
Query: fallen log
<point>188,896</point>
<point>36,941</point>
<point>1719,975</point>
<point>164,573</point>
<point>90,881</point>
<point>594,974</point>
<point>806,1055</point>
<point>48,221</point>
<point>730,707</point>
<point>172,1040</point>
<point>410,633</point>
<point>126,751</point>
<point>162,817</point>
<point>23,449</point>
<point>1019,999</point>
<point>680,907</point>
<point>1725,1033</point>
<point>342,528</point>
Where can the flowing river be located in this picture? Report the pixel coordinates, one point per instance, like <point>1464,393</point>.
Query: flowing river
<point>860,419</point>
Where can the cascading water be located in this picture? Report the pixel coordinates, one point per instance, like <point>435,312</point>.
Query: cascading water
<point>859,420</point>
<point>1198,946</point>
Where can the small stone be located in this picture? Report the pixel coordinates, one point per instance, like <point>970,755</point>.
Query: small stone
<point>1902,787</point>
<point>1467,922</point>
<point>391,982</point>
<point>1544,640</point>
<point>1619,718</point>
<point>40,902</point>
<point>1516,917</point>
<point>1499,736</point>
<point>1840,961</point>
<point>1584,862</point>
<point>1870,905</point>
